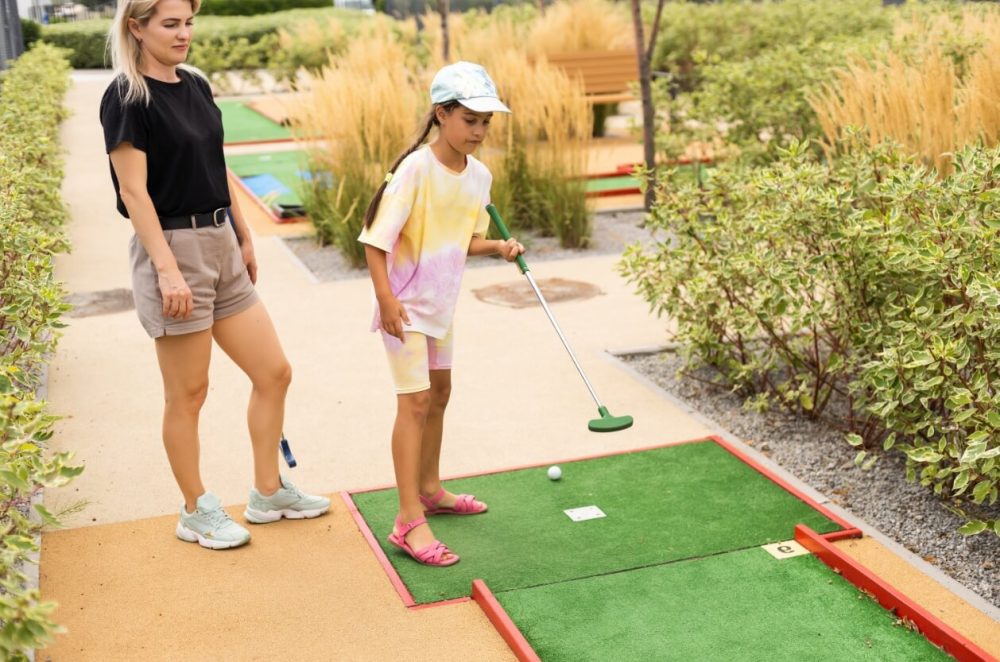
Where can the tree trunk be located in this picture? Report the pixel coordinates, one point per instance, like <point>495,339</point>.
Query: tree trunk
<point>644,54</point>
<point>445,47</point>
<point>648,115</point>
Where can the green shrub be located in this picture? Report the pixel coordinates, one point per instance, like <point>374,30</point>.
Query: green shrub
<point>695,35</point>
<point>933,371</point>
<point>757,105</point>
<point>31,302</point>
<point>255,7</point>
<point>869,283</point>
<point>30,32</point>
<point>220,43</point>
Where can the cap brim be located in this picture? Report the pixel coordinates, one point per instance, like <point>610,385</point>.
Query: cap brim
<point>485,105</point>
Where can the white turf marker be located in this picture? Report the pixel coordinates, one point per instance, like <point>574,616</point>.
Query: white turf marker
<point>584,513</point>
<point>785,550</point>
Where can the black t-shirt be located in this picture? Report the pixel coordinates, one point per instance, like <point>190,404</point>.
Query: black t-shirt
<point>181,133</point>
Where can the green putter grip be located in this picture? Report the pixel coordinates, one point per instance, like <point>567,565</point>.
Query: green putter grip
<point>505,233</point>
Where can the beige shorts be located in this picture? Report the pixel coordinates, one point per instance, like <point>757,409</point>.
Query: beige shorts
<point>210,261</point>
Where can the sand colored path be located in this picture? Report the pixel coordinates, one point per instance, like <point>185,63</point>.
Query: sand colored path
<point>309,590</point>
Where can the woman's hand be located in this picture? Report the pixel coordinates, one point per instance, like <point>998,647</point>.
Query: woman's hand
<point>510,249</point>
<point>177,298</point>
<point>249,259</point>
<point>393,316</point>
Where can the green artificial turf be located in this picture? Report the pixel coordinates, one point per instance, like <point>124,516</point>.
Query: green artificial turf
<point>244,124</point>
<point>662,505</point>
<point>284,166</point>
<point>611,183</point>
<point>743,605</point>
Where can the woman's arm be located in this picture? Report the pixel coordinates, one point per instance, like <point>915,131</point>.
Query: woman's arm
<point>391,311</point>
<point>242,234</point>
<point>130,168</point>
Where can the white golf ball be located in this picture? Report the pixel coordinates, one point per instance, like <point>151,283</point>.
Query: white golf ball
<point>555,473</point>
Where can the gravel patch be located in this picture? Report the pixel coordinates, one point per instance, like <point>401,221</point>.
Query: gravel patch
<point>818,455</point>
<point>612,231</point>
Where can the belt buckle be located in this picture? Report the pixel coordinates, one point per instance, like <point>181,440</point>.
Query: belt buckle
<point>216,216</point>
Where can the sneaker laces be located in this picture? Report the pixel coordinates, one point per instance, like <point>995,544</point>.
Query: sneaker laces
<point>218,517</point>
<point>289,487</point>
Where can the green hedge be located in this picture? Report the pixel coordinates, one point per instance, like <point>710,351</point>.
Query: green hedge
<point>695,35</point>
<point>865,290</point>
<point>31,302</point>
<point>255,7</point>
<point>215,38</point>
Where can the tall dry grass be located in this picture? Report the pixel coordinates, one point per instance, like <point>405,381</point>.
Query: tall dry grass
<point>358,113</point>
<point>581,25</point>
<point>932,99</point>
<point>566,26</point>
<point>538,153</point>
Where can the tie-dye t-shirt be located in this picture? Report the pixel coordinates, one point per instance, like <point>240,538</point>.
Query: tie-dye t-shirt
<point>425,222</point>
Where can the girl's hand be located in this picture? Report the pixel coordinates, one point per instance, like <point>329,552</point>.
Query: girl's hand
<point>393,316</point>
<point>177,299</point>
<point>249,259</point>
<point>510,249</point>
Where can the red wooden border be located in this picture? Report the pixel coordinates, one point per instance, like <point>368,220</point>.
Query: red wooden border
<point>265,141</point>
<point>494,611</point>
<point>260,203</point>
<point>394,578</point>
<point>926,623</point>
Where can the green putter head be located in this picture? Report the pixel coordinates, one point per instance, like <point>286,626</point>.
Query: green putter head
<point>609,423</point>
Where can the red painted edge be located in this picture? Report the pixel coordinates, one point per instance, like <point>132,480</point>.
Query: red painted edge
<point>607,193</point>
<point>442,603</point>
<point>383,560</point>
<point>846,534</point>
<point>926,623</point>
<point>781,481</point>
<point>265,141</point>
<point>501,621</point>
<point>260,203</point>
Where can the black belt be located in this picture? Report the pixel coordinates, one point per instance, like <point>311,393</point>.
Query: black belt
<point>216,218</point>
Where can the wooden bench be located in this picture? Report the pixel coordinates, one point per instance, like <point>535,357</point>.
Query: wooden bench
<point>606,75</point>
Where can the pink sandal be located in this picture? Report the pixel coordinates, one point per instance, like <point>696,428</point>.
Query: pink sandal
<point>465,504</point>
<point>432,554</point>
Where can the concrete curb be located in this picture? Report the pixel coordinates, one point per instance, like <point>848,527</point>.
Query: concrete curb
<point>923,566</point>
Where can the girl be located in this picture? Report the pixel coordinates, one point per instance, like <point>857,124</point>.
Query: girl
<point>424,220</point>
<point>193,273</point>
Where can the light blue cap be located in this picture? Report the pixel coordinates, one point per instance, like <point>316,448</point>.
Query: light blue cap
<point>470,85</point>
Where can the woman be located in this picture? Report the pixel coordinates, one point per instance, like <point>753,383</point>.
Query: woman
<point>193,272</point>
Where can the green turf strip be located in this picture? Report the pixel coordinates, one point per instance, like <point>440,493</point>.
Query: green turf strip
<point>662,505</point>
<point>742,605</point>
<point>283,165</point>
<point>244,124</point>
<point>611,183</point>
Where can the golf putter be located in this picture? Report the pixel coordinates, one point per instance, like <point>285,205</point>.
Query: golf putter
<point>606,422</point>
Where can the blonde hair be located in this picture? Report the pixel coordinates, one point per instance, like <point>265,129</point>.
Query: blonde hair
<point>126,52</point>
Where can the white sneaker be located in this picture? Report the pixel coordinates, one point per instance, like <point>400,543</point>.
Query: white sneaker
<point>288,501</point>
<point>210,526</point>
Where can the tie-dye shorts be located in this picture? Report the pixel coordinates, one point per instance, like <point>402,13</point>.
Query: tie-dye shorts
<point>412,361</point>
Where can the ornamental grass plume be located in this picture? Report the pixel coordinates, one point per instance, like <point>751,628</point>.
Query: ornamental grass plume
<point>357,115</point>
<point>933,98</point>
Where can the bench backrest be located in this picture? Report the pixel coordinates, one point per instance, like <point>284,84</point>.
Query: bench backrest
<point>601,71</point>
